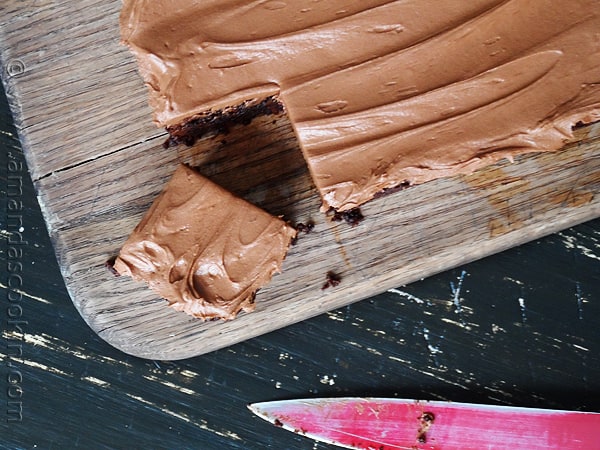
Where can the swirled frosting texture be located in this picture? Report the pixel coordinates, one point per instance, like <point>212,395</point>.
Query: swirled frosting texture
<point>203,249</point>
<point>380,92</point>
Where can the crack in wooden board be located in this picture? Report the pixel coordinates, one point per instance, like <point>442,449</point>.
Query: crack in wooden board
<point>98,163</point>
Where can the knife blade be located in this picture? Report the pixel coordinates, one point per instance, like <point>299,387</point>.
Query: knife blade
<point>386,424</point>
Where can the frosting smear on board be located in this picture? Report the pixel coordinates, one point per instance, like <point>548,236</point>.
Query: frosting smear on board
<point>203,249</point>
<point>380,93</point>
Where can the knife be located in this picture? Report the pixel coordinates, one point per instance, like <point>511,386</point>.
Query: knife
<point>386,424</point>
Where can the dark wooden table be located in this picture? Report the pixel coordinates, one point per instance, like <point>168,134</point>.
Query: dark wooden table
<point>519,328</point>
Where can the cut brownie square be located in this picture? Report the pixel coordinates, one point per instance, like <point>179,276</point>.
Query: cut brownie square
<point>203,249</point>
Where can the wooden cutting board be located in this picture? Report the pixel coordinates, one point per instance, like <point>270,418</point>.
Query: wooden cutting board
<point>97,163</point>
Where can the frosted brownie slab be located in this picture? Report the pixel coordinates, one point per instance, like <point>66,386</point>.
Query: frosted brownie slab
<point>380,93</point>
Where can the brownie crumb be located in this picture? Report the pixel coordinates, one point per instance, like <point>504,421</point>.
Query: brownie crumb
<point>352,217</point>
<point>110,266</point>
<point>333,280</point>
<point>387,191</point>
<point>219,122</point>
<point>302,228</point>
<point>425,421</point>
<point>305,228</point>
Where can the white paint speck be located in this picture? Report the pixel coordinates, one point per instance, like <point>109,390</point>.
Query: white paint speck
<point>456,292</point>
<point>433,349</point>
<point>464,325</point>
<point>46,368</point>
<point>25,294</point>
<point>171,385</point>
<point>517,282</point>
<point>400,360</point>
<point>334,316</point>
<point>580,300</point>
<point>523,309</point>
<point>326,379</point>
<point>497,329</point>
<point>21,229</point>
<point>96,381</point>
<point>571,243</point>
<point>188,373</point>
<point>374,351</point>
<point>407,295</point>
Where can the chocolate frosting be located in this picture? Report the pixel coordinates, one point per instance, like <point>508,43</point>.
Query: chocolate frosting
<point>203,249</point>
<point>379,92</point>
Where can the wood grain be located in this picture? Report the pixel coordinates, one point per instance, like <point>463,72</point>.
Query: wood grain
<point>97,163</point>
